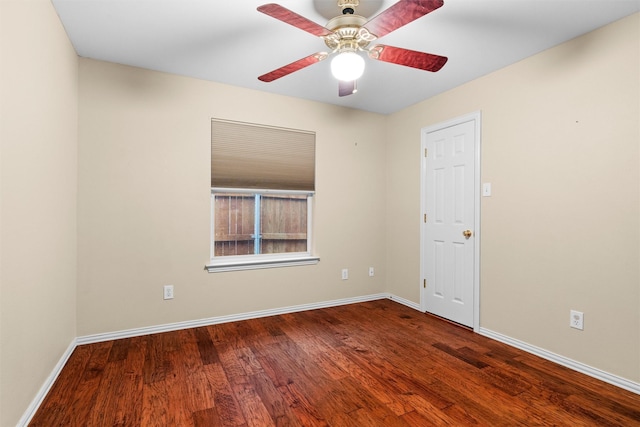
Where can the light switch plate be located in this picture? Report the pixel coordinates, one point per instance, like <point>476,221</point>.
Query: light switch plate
<point>486,189</point>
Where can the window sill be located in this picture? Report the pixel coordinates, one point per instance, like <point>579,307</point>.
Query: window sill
<point>255,264</point>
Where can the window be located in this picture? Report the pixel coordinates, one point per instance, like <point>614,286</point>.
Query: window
<point>262,187</point>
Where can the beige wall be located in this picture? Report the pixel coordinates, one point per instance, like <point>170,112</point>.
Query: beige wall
<point>38,136</point>
<point>144,200</point>
<point>560,145</point>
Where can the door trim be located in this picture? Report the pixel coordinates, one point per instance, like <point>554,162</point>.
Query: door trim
<point>476,117</point>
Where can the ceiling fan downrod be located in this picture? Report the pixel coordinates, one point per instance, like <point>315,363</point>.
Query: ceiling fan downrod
<point>348,6</point>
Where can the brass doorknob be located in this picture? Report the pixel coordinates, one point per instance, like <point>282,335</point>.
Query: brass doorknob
<point>467,233</point>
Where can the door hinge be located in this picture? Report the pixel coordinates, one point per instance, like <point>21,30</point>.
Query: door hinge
<point>425,218</point>
<point>425,152</point>
<point>424,283</point>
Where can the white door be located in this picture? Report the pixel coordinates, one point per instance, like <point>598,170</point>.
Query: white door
<point>450,219</point>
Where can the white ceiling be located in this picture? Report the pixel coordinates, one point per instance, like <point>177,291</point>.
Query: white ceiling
<point>231,42</point>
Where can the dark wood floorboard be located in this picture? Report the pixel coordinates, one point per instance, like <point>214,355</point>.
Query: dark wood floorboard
<point>377,363</point>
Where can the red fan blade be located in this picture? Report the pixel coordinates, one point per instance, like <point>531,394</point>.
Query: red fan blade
<point>294,66</point>
<point>406,57</point>
<point>285,15</point>
<point>400,14</point>
<point>347,88</point>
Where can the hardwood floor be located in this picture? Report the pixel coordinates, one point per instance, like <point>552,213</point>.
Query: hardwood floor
<point>371,364</point>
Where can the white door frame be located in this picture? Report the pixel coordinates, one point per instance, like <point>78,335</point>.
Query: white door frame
<point>476,117</point>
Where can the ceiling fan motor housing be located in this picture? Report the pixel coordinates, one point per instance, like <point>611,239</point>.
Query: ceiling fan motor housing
<point>348,33</point>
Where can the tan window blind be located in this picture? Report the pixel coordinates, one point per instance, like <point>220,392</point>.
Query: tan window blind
<point>245,155</point>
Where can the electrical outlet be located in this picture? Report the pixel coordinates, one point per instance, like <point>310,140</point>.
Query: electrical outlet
<point>577,320</point>
<point>345,273</point>
<point>168,291</point>
<point>372,272</point>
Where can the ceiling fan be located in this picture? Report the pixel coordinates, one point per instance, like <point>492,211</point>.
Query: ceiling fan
<point>349,33</point>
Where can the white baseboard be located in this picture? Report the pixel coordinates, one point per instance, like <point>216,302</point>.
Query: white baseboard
<point>564,361</point>
<point>90,339</point>
<point>410,304</point>
<point>42,393</point>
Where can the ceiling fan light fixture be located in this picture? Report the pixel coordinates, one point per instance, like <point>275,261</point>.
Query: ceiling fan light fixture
<point>347,66</point>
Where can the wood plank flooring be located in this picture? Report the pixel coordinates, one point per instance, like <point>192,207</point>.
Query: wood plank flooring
<point>377,363</point>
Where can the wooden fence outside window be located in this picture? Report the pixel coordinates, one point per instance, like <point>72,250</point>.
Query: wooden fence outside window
<point>282,224</point>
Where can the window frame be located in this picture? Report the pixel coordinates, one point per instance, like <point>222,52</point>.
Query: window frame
<point>260,261</point>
